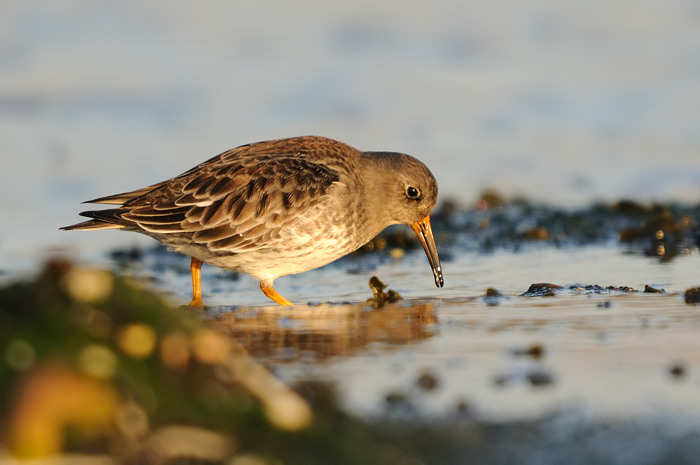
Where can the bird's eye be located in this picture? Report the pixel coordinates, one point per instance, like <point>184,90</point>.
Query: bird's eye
<point>412,193</point>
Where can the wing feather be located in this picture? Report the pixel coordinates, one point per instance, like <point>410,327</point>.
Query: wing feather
<point>231,203</point>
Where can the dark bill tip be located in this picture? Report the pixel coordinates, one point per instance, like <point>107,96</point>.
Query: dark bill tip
<point>425,235</point>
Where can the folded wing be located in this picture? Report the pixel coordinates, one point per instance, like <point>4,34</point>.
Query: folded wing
<point>229,203</point>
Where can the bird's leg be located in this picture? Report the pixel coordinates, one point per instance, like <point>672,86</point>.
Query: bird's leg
<point>269,290</point>
<point>196,270</point>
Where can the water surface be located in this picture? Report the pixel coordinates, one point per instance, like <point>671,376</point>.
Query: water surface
<point>607,354</point>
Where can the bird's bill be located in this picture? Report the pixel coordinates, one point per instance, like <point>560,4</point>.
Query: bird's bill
<point>425,234</point>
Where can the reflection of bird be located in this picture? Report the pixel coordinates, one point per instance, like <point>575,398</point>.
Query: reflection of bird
<point>279,207</point>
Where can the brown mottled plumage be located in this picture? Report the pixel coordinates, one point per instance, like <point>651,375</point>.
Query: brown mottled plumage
<point>278,207</point>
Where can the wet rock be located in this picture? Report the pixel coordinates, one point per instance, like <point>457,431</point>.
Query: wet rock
<point>493,297</point>
<point>491,292</point>
<point>622,289</point>
<point>548,289</point>
<point>597,289</point>
<point>652,290</point>
<point>542,290</point>
<point>605,304</point>
<point>692,295</point>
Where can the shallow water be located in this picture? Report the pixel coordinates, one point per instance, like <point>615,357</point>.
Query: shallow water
<point>608,354</point>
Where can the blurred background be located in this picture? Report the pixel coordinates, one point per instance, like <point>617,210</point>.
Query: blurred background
<point>562,102</point>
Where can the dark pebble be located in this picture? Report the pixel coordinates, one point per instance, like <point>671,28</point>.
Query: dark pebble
<point>540,378</point>
<point>493,297</point>
<point>677,370</point>
<point>652,290</point>
<point>491,292</point>
<point>692,295</point>
<point>427,382</point>
<point>541,290</point>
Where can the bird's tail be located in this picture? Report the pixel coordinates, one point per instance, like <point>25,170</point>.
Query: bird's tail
<point>91,225</point>
<point>101,219</point>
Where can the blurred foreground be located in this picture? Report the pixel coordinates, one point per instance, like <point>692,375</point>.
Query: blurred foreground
<point>98,370</point>
<point>93,363</point>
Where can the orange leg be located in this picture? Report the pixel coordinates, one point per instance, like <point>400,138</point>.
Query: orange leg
<point>196,270</point>
<point>269,290</point>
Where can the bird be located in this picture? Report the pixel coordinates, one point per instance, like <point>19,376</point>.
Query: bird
<point>278,207</point>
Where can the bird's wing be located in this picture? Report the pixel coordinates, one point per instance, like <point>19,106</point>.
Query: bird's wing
<point>229,203</point>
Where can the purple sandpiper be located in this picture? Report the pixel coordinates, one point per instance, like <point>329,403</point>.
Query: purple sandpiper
<point>279,207</point>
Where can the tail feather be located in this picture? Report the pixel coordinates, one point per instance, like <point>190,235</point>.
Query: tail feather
<point>111,218</point>
<point>121,199</point>
<point>91,225</point>
<point>101,219</point>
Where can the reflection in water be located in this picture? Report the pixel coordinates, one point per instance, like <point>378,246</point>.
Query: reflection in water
<point>326,330</point>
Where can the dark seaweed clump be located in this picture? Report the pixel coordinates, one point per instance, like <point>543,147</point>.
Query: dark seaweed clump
<point>381,297</point>
<point>494,222</point>
<point>550,290</point>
